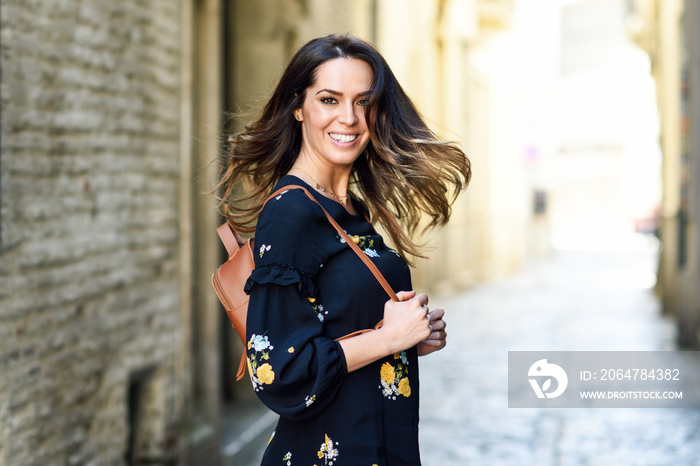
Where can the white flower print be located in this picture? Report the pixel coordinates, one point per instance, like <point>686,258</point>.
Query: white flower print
<point>264,248</point>
<point>371,252</point>
<point>321,313</point>
<point>260,342</point>
<point>328,451</point>
<point>389,391</point>
<point>277,198</point>
<point>310,400</point>
<point>288,458</point>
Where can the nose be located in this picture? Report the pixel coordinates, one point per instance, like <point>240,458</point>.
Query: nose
<point>348,114</point>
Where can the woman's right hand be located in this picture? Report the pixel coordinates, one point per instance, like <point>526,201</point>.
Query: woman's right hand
<point>405,322</point>
<point>405,325</point>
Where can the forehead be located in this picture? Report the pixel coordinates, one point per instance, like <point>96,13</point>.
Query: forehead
<point>349,75</point>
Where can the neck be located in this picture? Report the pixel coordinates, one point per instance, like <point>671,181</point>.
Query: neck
<point>333,187</point>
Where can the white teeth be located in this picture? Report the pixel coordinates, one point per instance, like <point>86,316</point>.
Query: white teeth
<point>343,138</point>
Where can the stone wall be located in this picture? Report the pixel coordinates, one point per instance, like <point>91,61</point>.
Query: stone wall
<point>89,320</point>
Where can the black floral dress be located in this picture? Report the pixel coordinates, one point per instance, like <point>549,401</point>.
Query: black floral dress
<point>309,288</point>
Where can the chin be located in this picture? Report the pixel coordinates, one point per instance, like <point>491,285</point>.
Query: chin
<point>345,160</point>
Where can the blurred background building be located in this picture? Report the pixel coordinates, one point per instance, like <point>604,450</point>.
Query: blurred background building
<point>669,31</point>
<point>113,347</point>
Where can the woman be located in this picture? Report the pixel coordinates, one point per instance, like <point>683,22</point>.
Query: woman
<point>340,125</point>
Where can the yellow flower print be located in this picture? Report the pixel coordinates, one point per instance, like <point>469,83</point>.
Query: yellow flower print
<point>290,350</point>
<point>404,387</point>
<point>265,374</point>
<point>393,378</point>
<point>387,373</point>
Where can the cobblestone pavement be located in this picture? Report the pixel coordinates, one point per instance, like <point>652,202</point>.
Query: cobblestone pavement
<point>574,301</point>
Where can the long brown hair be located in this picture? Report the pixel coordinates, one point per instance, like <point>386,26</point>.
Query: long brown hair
<point>404,172</point>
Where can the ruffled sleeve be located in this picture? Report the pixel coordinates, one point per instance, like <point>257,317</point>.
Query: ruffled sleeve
<point>295,370</point>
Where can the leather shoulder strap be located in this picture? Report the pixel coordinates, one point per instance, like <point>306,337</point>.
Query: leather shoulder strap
<point>356,249</point>
<point>230,238</point>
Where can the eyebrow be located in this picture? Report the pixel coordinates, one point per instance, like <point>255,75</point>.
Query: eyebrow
<point>331,91</point>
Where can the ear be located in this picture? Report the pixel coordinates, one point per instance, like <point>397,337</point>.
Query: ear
<point>297,114</point>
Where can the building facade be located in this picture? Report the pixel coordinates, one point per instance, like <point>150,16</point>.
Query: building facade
<point>669,31</point>
<point>92,340</point>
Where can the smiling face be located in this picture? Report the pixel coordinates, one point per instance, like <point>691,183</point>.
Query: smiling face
<point>334,130</point>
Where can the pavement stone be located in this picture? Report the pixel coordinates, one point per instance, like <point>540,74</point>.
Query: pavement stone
<point>573,300</point>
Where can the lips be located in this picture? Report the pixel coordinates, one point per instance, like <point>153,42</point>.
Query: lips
<point>343,138</point>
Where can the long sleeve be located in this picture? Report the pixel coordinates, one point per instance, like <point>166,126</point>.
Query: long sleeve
<point>295,370</point>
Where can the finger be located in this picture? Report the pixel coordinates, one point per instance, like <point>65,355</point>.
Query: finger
<point>422,299</point>
<point>405,295</point>
<point>434,343</point>
<point>439,324</point>
<point>437,314</point>
<point>437,335</point>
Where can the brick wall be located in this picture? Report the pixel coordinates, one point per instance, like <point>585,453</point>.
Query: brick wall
<point>89,318</point>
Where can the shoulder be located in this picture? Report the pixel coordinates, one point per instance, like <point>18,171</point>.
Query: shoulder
<point>290,209</point>
<point>293,230</point>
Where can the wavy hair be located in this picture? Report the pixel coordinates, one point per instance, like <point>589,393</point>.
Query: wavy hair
<point>405,171</point>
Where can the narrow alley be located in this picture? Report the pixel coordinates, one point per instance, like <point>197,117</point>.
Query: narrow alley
<point>581,121</point>
<point>573,301</point>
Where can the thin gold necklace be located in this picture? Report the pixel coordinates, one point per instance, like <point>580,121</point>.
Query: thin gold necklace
<point>331,194</point>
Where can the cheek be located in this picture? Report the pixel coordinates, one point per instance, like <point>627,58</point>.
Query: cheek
<point>319,120</point>
<point>364,122</point>
<point>365,141</point>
